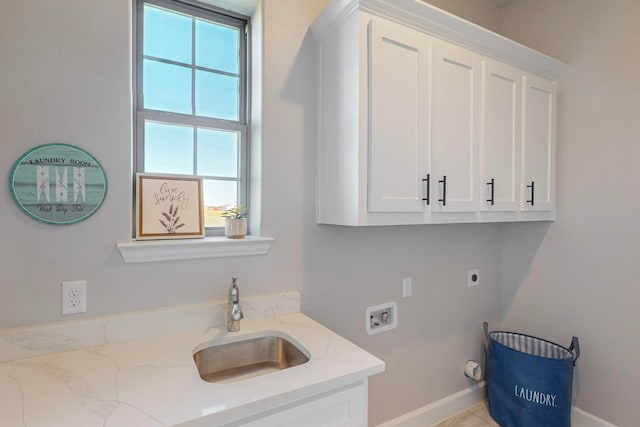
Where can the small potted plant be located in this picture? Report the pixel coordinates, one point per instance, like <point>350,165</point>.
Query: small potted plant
<point>235,222</point>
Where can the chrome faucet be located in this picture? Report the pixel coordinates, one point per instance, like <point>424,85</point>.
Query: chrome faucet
<point>234,311</point>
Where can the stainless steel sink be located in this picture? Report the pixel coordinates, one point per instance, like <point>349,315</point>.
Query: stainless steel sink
<point>245,359</point>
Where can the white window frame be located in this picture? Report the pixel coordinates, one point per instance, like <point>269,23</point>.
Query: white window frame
<point>150,251</point>
<point>241,126</point>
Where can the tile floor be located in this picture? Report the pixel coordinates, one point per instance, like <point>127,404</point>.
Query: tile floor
<point>476,416</point>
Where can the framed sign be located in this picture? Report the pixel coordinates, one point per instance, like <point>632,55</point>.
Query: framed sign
<point>169,207</point>
<point>58,184</point>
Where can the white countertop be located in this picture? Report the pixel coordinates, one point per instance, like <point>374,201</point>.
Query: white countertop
<point>151,382</point>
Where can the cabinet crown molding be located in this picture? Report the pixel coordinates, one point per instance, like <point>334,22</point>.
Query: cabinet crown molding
<point>444,25</point>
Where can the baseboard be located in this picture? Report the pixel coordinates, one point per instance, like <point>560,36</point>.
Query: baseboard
<point>444,408</point>
<point>580,418</point>
<point>440,410</point>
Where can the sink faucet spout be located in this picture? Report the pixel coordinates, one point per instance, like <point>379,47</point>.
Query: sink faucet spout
<point>234,311</point>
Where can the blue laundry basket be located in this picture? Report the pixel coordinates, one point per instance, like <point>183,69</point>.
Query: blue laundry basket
<point>529,380</point>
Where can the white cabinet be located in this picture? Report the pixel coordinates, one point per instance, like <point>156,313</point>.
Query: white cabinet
<point>399,118</point>
<point>500,137</point>
<point>456,92</point>
<point>517,144</point>
<point>345,407</point>
<point>538,144</point>
<point>425,118</point>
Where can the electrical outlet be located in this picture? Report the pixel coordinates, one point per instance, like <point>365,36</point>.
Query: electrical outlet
<point>473,278</point>
<point>74,297</point>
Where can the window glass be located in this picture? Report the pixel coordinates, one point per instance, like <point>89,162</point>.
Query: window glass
<point>216,95</point>
<point>191,99</point>
<point>167,87</point>
<point>167,35</point>
<point>217,153</point>
<point>218,196</point>
<point>217,47</point>
<point>168,149</point>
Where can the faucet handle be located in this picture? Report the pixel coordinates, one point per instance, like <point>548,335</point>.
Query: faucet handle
<point>236,313</point>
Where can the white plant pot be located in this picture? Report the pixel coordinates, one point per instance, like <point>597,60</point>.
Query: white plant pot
<point>235,228</point>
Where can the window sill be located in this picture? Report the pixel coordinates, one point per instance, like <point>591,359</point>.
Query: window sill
<point>210,247</point>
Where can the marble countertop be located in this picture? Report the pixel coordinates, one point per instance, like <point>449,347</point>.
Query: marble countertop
<point>152,382</point>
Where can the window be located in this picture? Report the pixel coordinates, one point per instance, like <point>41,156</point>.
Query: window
<point>191,99</point>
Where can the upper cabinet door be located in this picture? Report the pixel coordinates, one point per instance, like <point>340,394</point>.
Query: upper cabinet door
<point>538,144</point>
<point>419,110</point>
<point>398,125</point>
<point>500,137</point>
<point>456,93</point>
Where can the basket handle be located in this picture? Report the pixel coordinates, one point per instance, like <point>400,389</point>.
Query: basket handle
<point>575,349</point>
<point>485,325</point>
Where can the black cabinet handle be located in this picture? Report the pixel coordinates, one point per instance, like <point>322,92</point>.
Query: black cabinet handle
<point>443,181</point>
<point>427,199</point>
<point>533,193</point>
<point>492,183</point>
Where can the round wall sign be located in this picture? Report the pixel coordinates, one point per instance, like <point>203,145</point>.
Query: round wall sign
<point>58,184</point>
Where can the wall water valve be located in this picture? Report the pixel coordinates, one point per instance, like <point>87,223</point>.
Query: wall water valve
<point>382,317</point>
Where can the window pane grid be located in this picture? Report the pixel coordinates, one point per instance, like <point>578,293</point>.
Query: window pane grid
<point>170,134</point>
<point>184,64</point>
<point>213,87</point>
<point>206,122</point>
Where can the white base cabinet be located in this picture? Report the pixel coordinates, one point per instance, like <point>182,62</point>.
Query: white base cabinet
<point>344,407</point>
<point>426,118</point>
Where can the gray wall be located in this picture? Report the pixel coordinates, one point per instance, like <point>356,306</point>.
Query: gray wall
<point>65,78</point>
<point>580,277</point>
<point>348,269</point>
<point>485,13</point>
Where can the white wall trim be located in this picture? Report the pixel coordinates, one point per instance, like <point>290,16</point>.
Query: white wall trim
<point>181,249</point>
<point>442,409</point>
<point>580,418</point>
<point>442,24</point>
<point>439,410</point>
